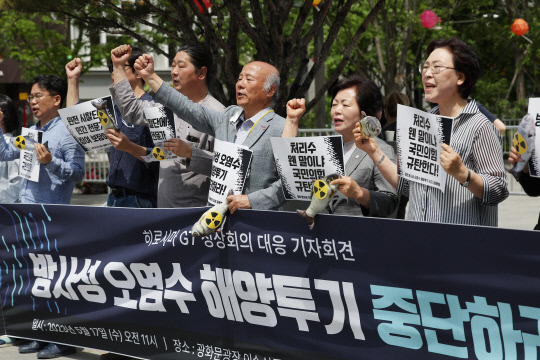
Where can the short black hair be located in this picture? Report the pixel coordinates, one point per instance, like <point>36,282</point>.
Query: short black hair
<point>392,100</point>
<point>465,61</point>
<point>136,52</point>
<point>11,120</point>
<point>368,94</point>
<point>200,56</point>
<point>53,84</point>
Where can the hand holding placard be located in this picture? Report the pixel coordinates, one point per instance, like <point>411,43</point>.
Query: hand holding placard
<point>452,163</point>
<point>43,154</point>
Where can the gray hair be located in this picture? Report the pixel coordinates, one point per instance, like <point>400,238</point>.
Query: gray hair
<point>272,79</point>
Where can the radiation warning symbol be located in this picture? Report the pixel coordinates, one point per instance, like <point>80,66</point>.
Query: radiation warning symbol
<point>320,189</point>
<point>158,154</point>
<point>519,143</point>
<point>103,117</point>
<point>213,219</point>
<point>20,142</point>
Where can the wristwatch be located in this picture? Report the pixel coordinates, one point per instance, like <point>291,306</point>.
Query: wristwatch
<point>466,183</point>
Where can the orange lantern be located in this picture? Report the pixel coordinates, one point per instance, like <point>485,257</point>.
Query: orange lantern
<point>520,27</point>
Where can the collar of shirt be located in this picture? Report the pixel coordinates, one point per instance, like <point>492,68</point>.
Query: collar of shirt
<point>48,125</point>
<point>348,149</point>
<point>471,108</point>
<point>245,125</point>
<point>255,117</point>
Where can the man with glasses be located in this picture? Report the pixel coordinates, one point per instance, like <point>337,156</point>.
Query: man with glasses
<point>62,160</point>
<point>62,165</point>
<point>132,182</point>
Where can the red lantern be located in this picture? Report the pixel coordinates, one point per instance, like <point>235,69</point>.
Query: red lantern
<point>429,19</point>
<point>206,4</point>
<point>520,27</point>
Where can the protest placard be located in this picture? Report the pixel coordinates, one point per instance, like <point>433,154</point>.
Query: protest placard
<point>161,123</point>
<point>229,170</point>
<point>301,161</point>
<point>88,121</point>
<point>419,138</point>
<point>534,161</point>
<point>29,164</point>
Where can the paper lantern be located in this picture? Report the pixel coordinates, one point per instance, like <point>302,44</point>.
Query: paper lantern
<point>206,4</point>
<point>315,2</point>
<point>520,27</point>
<point>429,19</point>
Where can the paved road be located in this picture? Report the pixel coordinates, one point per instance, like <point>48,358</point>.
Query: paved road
<point>11,352</point>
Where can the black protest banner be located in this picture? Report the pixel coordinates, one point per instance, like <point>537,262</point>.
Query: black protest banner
<point>135,281</point>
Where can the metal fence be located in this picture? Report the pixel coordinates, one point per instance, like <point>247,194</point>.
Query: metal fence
<point>97,161</point>
<point>96,166</point>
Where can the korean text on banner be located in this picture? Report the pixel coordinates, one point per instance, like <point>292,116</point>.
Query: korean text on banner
<point>136,282</point>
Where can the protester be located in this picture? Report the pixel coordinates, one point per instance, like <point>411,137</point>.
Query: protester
<point>364,191</point>
<point>391,102</point>
<point>499,125</point>
<point>62,160</point>
<point>183,182</point>
<point>474,161</point>
<point>62,165</point>
<point>250,123</point>
<point>132,182</point>
<point>10,181</point>
<point>531,185</point>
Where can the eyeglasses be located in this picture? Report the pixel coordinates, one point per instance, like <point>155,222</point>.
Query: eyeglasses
<point>435,69</point>
<point>37,97</point>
